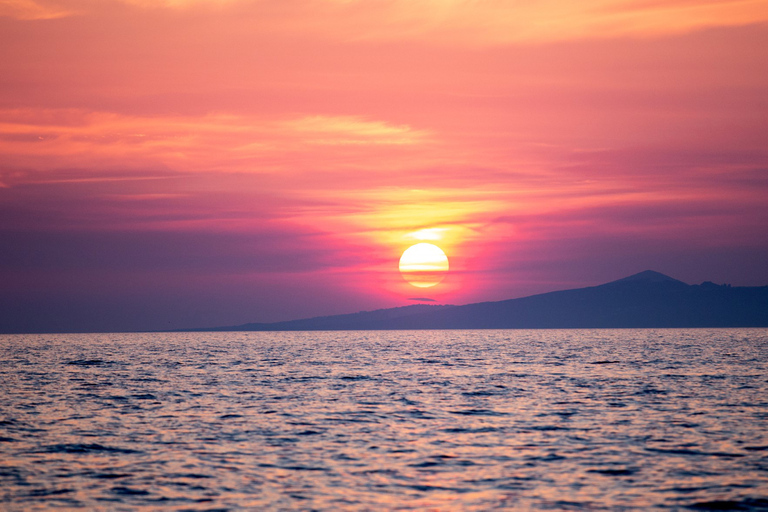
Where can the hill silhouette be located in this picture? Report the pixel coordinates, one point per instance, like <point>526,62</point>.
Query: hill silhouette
<point>363,320</point>
<point>647,299</point>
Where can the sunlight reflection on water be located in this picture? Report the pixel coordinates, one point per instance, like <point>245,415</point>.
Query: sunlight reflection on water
<point>406,420</point>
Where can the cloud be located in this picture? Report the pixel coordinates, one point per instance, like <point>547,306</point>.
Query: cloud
<point>177,4</point>
<point>498,21</point>
<point>34,10</point>
<point>45,139</point>
<point>447,22</point>
<point>341,130</point>
<point>495,22</point>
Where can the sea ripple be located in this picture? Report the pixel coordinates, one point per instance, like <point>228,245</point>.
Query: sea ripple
<point>627,419</point>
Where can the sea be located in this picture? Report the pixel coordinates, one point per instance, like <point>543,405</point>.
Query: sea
<point>477,420</point>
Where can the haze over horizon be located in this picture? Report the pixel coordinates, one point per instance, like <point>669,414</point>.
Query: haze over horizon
<point>198,162</point>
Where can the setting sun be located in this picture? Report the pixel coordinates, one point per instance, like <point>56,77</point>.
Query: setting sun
<point>423,265</point>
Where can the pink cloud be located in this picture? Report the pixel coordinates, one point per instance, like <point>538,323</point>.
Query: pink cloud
<point>443,21</point>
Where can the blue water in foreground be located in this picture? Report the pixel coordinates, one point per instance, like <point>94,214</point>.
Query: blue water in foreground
<point>399,420</point>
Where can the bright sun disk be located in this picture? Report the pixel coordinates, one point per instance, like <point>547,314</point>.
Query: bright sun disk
<point>423,265</point>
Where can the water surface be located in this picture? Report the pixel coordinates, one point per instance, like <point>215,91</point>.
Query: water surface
<point>386,420</point>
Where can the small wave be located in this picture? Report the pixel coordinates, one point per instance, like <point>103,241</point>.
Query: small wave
<point>478,412</point>
<point>88,362</point>
<point>309,433</point>
<point>84,448</point>
<point>442,460</point>
<point>40,493</point>
<point>485,392</point>
<point>481,430</point>
<point>428,488</point>
<point>550,457</point>
<point>294,467</point>
<point>685,451</point>
<point>302,378</point>
<point>746,504</point>
<point>546,428</point>
<point>144,396</point>
<point>427,464</point>
<point>614,472</point>
<point>128,491</point>
<point>388,472</point>
<point>111,476</point>
<point>415,413</point>
<point>651,391</point>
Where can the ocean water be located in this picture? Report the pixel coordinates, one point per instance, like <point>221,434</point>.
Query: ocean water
<point>393,420</point>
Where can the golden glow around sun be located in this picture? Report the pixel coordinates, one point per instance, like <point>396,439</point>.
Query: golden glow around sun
<point>423,265</point>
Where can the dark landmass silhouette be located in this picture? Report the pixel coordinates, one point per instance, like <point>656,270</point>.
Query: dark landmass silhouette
<point>363,320</point>
<point>647,299</point>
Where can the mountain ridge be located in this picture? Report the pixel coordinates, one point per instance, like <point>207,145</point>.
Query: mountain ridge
<point>645,299</point>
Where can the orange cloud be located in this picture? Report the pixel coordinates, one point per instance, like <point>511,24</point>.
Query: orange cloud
<point>448,22</point>
<point>56,139</point>
<point>34,10</point>
<point>340,130</point>
<point>494,22</point>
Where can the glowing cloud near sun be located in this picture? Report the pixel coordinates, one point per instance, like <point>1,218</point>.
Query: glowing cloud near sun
<point>423,265</point>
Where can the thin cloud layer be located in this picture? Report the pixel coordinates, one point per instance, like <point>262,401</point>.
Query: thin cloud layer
<point>445,21</point>
<point>66,139</point>
<point>34,10</point>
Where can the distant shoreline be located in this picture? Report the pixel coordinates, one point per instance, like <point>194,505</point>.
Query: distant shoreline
<point>645,300</point>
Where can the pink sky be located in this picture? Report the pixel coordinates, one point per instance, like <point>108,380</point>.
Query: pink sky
<point>197,162</point>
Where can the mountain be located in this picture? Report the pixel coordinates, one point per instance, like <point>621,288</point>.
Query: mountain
<point>363,320</point>
<point>647,299</point>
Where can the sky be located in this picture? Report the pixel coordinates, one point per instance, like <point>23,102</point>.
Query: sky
<point>191,163</point>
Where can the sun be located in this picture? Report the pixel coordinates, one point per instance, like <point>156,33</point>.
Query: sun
<point>423,265</point>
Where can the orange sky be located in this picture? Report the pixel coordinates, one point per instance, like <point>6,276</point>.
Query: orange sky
<point>197,162</point>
